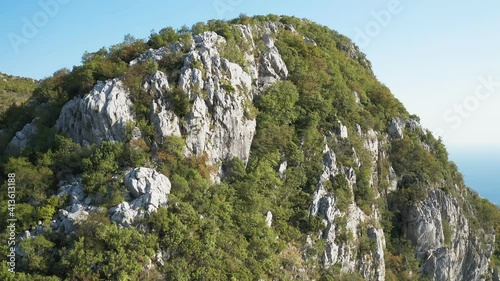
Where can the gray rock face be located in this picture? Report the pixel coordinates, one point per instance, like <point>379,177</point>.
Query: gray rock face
<point>21,139</point>
<point>343,134</point>
<point>463,255</point>
<point>310,41</point>
<point>356,97</point>
<point>157,83</point>
<point>78,210</point>
<point>66,220</point>
<point>413,124</point>
<point>221,123</point>
<point>269,218</point>
<point>396,128</point>
<point>339,251</point>
<point>372,144</point>
<point>153,54</point>
<point>218,124</point>
<point>37,231</point>
<point>272,67</point>
<point>74,190</point>
<point>99,116</point>
<point>149,190</point>
<point>393,180</point>
<point>165,121</point>
<point>282,169</point>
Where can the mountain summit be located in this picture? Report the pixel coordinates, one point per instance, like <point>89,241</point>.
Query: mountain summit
<point>260,148</point>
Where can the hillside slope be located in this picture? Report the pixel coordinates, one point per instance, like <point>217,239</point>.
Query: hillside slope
<point>260,148</point>
<point>14,90</point>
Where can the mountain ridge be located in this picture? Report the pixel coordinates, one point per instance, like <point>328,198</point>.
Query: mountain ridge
<point>279,120</point>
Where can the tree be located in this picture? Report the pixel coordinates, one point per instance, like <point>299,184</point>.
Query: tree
<point>276,104</point>
<point>32,181</point>
<point>109,253</point>
<point>38,254</point>
<point>100,166</point>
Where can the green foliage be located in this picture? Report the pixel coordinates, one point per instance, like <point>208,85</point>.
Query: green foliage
<point>342,192</point>
<point>168,36</point>
<point>174,145</point>
<point>199,28</point>
<point>366,245</point>
<point>99,168</point>
<point>251,111</point>
<point>219,231</point>
<point>334,274</point>
<point>179,101</point>
<point>415,164</point>
<point>171,64</point>
<point>21,276</point>
<point>344,234</point>
<point>400,261</point>
<point>234,170</point>
<point>226,85</point>
<point>68,156</point>
<point>236,46</point>
<point>109,253</point>
<point>277,104</point>
<point>165,37</point>
<point>37,254</point>
<point>33,182</point>
<point>137,152</point>
<point>134,80</point>
<point>128,50</point>
<point>96,66</point>
<point>447,232</point>
<point>364,194</point>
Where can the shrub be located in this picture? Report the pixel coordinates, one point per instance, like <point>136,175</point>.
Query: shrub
<point>99,168</point>
<point>179,101</point>
<point>447,232</point>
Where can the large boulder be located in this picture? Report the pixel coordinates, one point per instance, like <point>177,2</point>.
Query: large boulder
<point>79,207</point>
<point>148,189</point>
<point>396,128</point>
<point>99,116</point>
<point>22,138</point>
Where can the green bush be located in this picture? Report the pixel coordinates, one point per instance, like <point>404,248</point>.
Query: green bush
<point>109,253</point>
<point>179,101</point>
<point>219,231</point>
<point>99,169</point>
<point>447,232</point>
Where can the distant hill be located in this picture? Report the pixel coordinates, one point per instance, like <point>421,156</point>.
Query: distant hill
<point>14,89</point>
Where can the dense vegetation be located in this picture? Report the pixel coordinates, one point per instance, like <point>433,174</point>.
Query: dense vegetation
<point>218,231</point>
<point>14,90</point>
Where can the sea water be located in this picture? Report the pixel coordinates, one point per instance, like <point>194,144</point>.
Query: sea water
<point>481,169</point>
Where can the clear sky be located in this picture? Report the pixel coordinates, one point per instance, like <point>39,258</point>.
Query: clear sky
<point>440,58</point>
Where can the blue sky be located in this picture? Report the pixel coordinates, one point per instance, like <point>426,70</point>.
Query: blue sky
<point>435,57</point>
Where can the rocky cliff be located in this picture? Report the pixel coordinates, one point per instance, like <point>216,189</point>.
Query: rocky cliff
<point>359,176</point>
<point>221,92</point>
